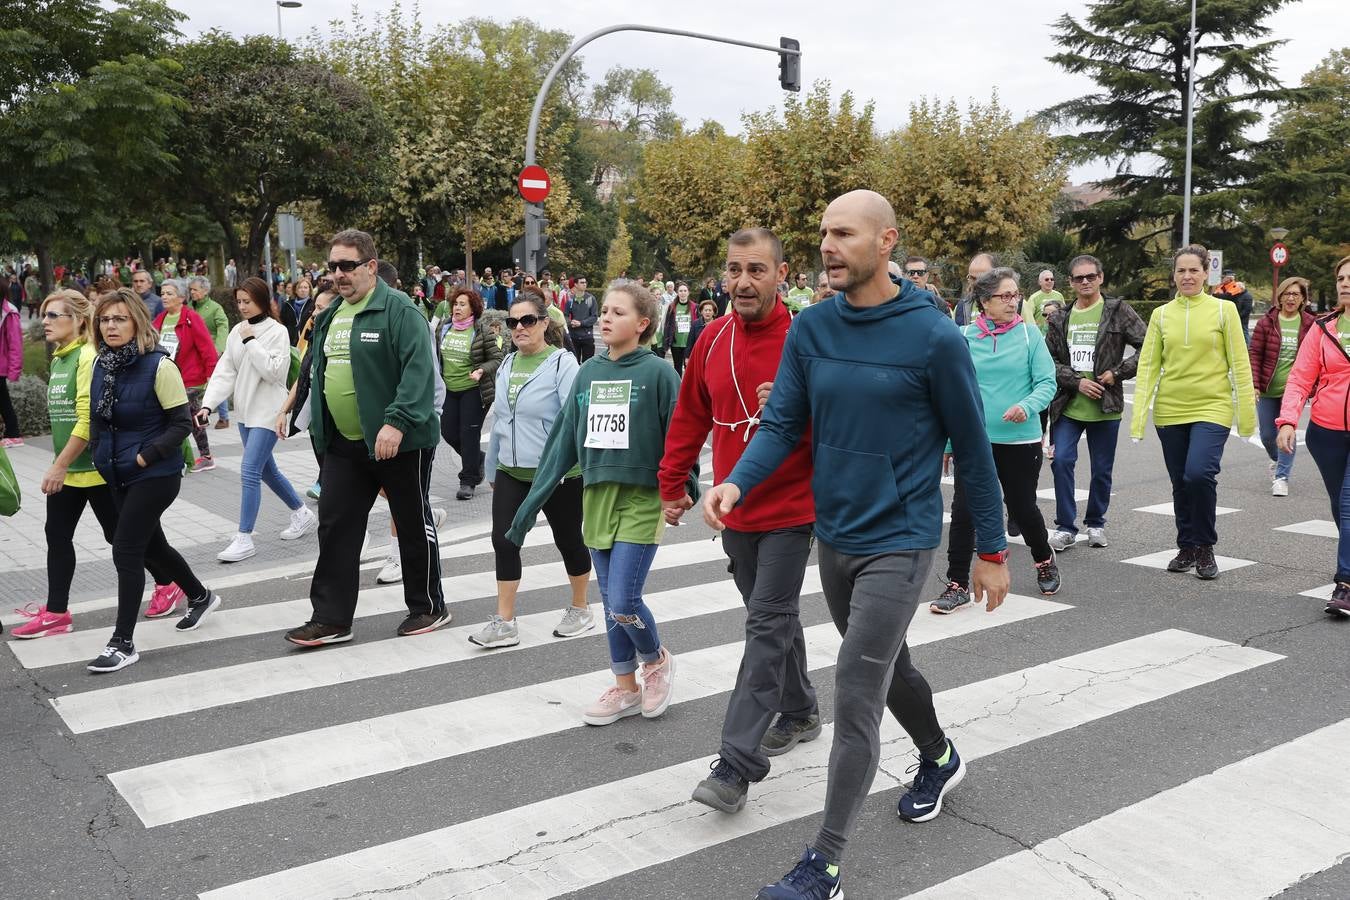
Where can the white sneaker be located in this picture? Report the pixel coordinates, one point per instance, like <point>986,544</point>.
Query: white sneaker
<point>438,517</point>
<point>1279,487</point>
<point>1096,537</point>
<point>240,548</point>
<point>1061,540</point>
<point>392,573</point>
<point>303,521</point>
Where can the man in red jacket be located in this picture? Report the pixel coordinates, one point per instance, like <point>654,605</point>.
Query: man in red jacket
<point>768,538</point>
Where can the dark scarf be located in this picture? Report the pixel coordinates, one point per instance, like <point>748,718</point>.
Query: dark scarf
<point>114,361</point>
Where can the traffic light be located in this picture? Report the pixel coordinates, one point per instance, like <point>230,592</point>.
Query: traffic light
<point>790,65</point>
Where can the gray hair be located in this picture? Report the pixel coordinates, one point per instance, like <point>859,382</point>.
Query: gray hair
<point>178,284</point>
<point>202,280</point>
<point>987,284</point>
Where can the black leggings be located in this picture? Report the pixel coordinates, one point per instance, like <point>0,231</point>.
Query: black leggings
<point>1019,466</point>
<point>462,428</point>
<point>138,541</point>
<point>563,511</point>
<point>7,411</point>
<point>64,509</point>
<point>677,355</point>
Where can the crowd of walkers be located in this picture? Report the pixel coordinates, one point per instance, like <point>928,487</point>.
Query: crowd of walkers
<point>607,446</point>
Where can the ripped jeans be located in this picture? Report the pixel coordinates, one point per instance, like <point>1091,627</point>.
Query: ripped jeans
<point>621,572</point>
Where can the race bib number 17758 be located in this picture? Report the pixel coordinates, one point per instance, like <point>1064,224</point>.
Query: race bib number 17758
<point>608,416</point>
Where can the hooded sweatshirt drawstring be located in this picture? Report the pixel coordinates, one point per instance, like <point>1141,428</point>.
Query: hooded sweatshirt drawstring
<point>749,421</point>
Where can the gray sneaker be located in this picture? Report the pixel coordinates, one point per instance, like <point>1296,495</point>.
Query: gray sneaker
<point>952,598</point>
<point>787,733</point>
<point>497,633</point>
<point>1096,537</point>
<point>575,620</point>
<point>1061,540</point>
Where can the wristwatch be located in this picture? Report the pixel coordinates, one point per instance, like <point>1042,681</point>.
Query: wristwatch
<point>998,558</point>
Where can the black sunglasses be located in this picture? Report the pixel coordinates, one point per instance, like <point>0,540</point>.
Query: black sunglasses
<point>527,321</point>
<point>1083,279</point>
<point>346,265</point>
<point>915,273</point>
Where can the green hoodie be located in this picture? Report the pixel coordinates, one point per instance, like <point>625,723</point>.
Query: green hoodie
<point>392,370</point>
<point>654,389</point>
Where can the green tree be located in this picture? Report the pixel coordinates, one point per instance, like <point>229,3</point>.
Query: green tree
<point>620,258</point>
<point>1138,53</point>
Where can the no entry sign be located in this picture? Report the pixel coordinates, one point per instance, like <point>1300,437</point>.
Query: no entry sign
<point>534,184</point>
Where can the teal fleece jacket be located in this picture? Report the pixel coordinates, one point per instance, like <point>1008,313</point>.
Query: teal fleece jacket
<point>651,404</point>
<point>394,374</point>
<point>1014,369</point>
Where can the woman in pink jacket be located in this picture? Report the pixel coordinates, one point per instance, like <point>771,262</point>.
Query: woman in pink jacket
<point>11,368</point>
<point>1322,370</point>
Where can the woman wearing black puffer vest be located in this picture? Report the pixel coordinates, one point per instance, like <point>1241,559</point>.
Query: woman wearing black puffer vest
<point>138,421</point>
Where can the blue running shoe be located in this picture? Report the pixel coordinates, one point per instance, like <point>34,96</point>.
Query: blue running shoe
<point>923,800</point>
<point>810,879</point>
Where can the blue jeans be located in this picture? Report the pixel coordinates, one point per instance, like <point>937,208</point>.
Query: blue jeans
<point>223,410</point>
<point>1192,453</point>
<point>621,572</point>
<point>1101,441</point>
<point>1267,411</point>
<point>258,466</point>
<point>1331,451</point>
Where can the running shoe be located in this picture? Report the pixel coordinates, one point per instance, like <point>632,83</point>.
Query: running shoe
<point>11,443</point>
<point>1096,537</point>
<point>724,789</point>
<point>314,491</point>
<point>203,464</point>
<point>498,632</point>
<point>316,634</point>
<point>438,517</point>
<point>788,732</point>
<point>42,623</point>
<point>465,492</point>
<point>303,521</point>
<point>1061,540</point>
<point>951,599</point>
<point>1184,561</point>
<point>392,572</point>
<point>614,704</point>
<point>1047,576</point>
<point>813,878</point>
<point>575,620</point>
<point>1279,487</point>
<point>119,654</point>
<point>421,623</point>
<point>198,610</point>
<point>1338,605</point>
<point>658,680</point>
<point>1205,566</point>
<point>164,601</point>
<point>240,548</point>
<point>923,800</point>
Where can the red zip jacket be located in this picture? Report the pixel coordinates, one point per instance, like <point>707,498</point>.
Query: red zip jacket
<point>730,359</point>
<point>1265,346</point>
<point>196,356</point>
<point>1322,371</point>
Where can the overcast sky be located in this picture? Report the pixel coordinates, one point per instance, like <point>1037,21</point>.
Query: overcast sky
<point>888,51</point>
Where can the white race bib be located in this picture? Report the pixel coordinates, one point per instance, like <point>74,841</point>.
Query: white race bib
<point>1083,357</point>
<point>608,417</point>
<point>682,322</point>
<point>169,341</point>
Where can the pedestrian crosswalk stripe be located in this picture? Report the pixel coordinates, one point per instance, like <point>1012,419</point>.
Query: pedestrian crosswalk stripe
<point>1259,808</point>
<point>1160,559</point>
<point>186,787</point>
<point>569,842</point>
<point>1321,593</point>
<point>229,623</point>
<point>301,671</point>
<point>1314,527</point>
<point>1079,494</point>
<point>1165,509</point>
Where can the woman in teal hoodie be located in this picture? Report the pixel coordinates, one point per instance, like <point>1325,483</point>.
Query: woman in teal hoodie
<point>1017,382</point>
<point>615,426</point>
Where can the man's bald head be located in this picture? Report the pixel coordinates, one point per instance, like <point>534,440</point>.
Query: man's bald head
<point>864,206</point>
<point>857,234</point>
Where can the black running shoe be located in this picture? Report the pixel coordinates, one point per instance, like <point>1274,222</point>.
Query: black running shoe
<point>316,634</point>
<point>197,610</point>
<point>788,732</point>
<point>1184,561</point>
<point>1205,566</point>
<point>953,598</point>
<point>1339,604</point>
<point>1047,576</point>
<point>119,654</point>
<point>724,789</point>
<point>421,623</point>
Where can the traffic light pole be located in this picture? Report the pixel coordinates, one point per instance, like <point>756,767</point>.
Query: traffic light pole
<point>534,212</point>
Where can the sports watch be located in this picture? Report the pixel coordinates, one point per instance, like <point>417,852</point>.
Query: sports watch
<point>998,558</point>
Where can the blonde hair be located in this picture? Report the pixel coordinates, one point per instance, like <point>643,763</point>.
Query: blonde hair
<point>80,308</point>
<point>1300,283</point>
<point>146,339</point>
<point>643,302</point>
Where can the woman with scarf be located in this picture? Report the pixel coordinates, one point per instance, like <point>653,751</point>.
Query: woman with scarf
<point>139,420</point>
<point>1017,381</point>
<point>469,357</point>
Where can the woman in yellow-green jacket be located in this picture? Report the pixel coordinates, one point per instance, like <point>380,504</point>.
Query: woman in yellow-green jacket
<point>1195,359</point>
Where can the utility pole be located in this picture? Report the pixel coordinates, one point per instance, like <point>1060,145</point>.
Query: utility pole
<point>1190,137</point>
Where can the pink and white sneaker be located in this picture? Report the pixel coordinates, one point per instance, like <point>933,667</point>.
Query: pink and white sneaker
<point>658,679</point>
<point>164,601</point>
<point>613,705</point>
<point>42,623</point>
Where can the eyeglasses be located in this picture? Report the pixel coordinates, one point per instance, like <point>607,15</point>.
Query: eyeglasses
<point>1297,295</point>
<point>527,321</point>
<point>1008,297</point>
<point>53,316</point>
<point>346,265</point>
<point>119,321</point>
<point>916,273</point>
<point>1084,279</point>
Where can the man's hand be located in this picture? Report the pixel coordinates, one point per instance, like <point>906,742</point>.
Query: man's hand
<point>674,509</point>
<point>1015,413</point>
<point>387,442</point>
<point>989,581</point>
<point>1285,439</point>
<point>54,480</point>
<point>1107,378</point>
<point>720,500</point>
<point>763,393</point>
<point>1089,388</point>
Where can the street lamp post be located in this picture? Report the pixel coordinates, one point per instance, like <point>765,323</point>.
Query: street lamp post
<point>1190,137</point>
<point>1279,234</point>
<point>285,4</point>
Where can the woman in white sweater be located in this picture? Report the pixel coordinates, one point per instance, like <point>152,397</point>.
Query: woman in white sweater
<point>253,369</point>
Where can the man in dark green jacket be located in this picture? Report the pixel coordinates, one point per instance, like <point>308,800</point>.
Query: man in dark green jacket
<point>373,420</point>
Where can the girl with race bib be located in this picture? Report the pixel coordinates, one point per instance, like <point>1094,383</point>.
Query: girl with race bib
<point>614,425</point>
